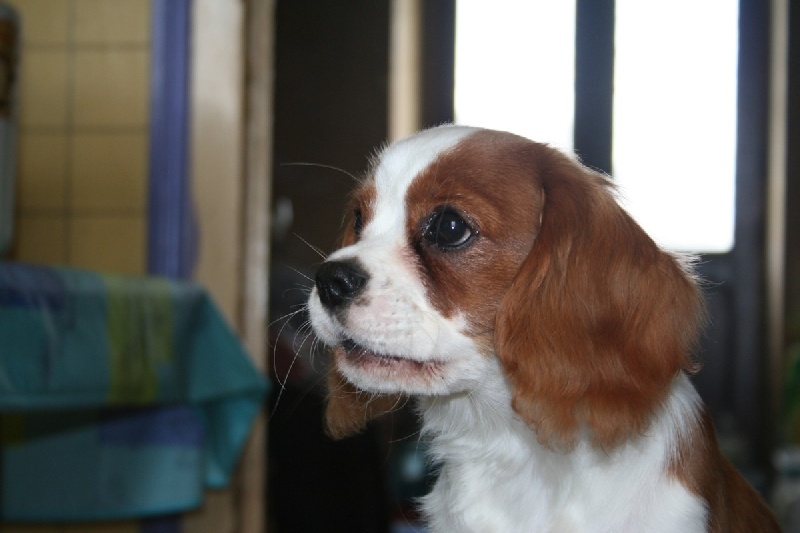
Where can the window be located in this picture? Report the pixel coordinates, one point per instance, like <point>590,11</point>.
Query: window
<point>515,67</point>
<point>674,142</point>
<point>674,118</point>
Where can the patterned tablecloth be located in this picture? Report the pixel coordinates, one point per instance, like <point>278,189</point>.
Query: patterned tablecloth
<point>120,397</point>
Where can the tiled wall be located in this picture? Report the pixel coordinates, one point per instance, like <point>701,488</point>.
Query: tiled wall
<point>83,133</point>
<point>83,147</point>
<point>83,166</point>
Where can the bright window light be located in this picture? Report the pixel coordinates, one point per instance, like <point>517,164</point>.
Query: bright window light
<point>515,67</point>
<point>674,145</point>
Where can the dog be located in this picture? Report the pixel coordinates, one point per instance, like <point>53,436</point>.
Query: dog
<point>546,338</point>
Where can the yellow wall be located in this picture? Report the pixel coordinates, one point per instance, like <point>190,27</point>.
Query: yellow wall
<point>83,143</point>
<point>82,183</point>
<point>83,170</point>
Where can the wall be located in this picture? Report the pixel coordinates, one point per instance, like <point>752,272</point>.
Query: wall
<point>83,177</point>
<point>217,81</point>
<point>83,133</point>
<point>82,183</point>
<point>83,147</point>
<point>790,340</point>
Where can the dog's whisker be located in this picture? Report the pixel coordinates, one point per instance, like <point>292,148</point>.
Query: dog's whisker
<point>314,348</point>
<point>287,317</point>
<point>303,333</point>
<point>413,435</point>
<point>321,165</point>
<point>278,337</point>
<point>298,287</point>
<point>281,388</point>
<point>315,249</point>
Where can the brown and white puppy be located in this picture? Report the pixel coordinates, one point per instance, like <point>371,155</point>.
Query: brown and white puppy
<point>544,334</point>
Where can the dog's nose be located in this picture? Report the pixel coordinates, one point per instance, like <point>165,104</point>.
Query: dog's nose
<point>339,282</point>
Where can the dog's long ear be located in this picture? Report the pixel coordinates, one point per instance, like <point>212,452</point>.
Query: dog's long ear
<point>598,320</point>
<point>349,409</point>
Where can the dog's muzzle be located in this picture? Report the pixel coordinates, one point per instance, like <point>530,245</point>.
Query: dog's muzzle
<point>339,282</point>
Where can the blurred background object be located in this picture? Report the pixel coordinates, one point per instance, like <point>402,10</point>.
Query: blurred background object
<point>9,73</point>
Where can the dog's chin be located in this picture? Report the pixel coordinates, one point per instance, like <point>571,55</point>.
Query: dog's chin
<point>374,371</point>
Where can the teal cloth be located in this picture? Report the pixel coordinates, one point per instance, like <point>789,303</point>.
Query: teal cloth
<point>120,397</point>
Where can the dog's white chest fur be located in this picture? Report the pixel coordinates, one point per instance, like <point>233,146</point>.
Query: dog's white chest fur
<point>510,483</point>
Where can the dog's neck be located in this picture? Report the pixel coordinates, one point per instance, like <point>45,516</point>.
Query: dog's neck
<point>476,439</point>
<point>488,456</point>
<point>453,422</point>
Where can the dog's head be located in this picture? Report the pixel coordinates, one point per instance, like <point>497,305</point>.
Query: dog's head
<point>465,245</point>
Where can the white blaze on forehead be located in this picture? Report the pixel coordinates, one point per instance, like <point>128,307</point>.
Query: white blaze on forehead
<point>397,168</point>
<point>402,161</point>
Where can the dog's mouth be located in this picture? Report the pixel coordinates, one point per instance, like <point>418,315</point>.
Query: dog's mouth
<point>358,355</point>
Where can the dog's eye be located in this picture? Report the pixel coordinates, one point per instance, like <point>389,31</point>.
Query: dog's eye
<point>358,222</point>
<point>447,230</point>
